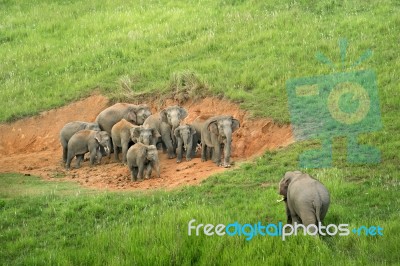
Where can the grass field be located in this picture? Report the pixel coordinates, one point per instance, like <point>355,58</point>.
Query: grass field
<point>53,52</point>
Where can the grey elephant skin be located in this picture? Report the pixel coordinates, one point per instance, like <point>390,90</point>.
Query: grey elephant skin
<point>70,129</point>
<point>187,138</point>
<point>307,200</point>
<point>140,158</point>
<point>87,141</point>
<point>215,133</point>
<point>123,133</point>
<point>165,123</point>
<point>135,114</point>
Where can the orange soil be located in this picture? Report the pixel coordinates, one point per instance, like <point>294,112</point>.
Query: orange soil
<point>31,146</point>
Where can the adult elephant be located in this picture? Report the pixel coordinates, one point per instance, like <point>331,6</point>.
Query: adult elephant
<point>217,131</point>
<point>135,114</point>
<point>165,123</point>
<point>307,200</point>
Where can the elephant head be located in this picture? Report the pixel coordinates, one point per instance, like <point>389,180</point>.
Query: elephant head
<point>285,182</point>
<point>173,115</point>
<point>185,132</point>
<point>152,157</point>
<point>103,139</point>
<point>137,114</point>
<point>223,127</point>
<point>92,126</point>
<point>145,135</point>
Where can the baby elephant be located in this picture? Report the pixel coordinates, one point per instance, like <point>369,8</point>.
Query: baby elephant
<point>186,136</point>
<point>306,199</point>
<point>70,129</point>
<point>87,141</point>
<point>141,157</point>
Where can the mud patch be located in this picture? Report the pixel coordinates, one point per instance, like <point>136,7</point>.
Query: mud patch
<point>31,146</point>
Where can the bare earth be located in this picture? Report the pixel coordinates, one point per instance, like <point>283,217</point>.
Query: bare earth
<point>31,146</point>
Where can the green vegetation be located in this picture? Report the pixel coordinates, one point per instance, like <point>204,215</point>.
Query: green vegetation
<point>53,52</point>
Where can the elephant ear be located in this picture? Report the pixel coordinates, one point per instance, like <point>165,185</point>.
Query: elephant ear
<point>155,133</point>
<point>183,113</point>
<point>212,127</point>
<point>177,132</point>
<point>235,124</point>
<point>163,115</point>
<point>98,137</point>
<point>131,116</point>
<point>135,133</point>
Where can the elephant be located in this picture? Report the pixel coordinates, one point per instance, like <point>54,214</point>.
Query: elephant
<point>136,114</point>
<point>306,199</point>
<point>165,123</point>
<point>187,139</point>
<point>123,132</point>
<point>87,141</point>
<point>216,131</point>
<point>70,129</point>
<point>140,157</point>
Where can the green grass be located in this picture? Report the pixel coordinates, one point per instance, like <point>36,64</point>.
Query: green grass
<point>53,52</point>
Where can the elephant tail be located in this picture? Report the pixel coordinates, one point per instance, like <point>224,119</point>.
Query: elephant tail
<point>317,203</point>
<point>317,207</point>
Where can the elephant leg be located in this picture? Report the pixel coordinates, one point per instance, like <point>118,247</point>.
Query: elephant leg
<point>189,151</point>
<point>288,215</point>
<point>124,151</point>
<point>140,171</point>
<point>217,154</point>
<point>203,151</point>
<point>70,156</point>
<point>179,151</point>
<point>116,151</point>
<point>79,159</point>
<point>93,154</point>
<point>134,173</point>
<point>99,155</point>
<point>170,148</point>
<point>149,169</point>
<point>65,151</point>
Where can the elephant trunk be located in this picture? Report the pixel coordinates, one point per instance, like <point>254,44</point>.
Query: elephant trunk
<point>227,148</point>
<point>173,135</point>
<point>185,143</point>
<point>146,141</point>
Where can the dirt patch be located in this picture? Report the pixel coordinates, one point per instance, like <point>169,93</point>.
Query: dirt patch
<point>31,146</point>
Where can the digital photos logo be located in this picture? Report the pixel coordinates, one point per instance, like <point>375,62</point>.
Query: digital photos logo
<point>279,230</point>
<point>339,104</point>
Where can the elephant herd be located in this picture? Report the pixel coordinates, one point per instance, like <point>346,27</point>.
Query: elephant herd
<point>118,126</point>
<point>122,124</point>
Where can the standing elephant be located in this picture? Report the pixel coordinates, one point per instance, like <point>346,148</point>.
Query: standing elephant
<point>87,141</point>
<point>124,132</point>
<point>135,114</point>
<point>141,157</point>
<point>70,129</point>
<point>165,123</point>
<point>307,200</point>
<point>215,132</point>
<point>186,136</point>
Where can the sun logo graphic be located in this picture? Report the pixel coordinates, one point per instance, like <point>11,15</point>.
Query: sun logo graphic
<point>342,104</point>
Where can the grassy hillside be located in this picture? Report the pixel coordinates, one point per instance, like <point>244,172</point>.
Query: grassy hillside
<point>53,52</point>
